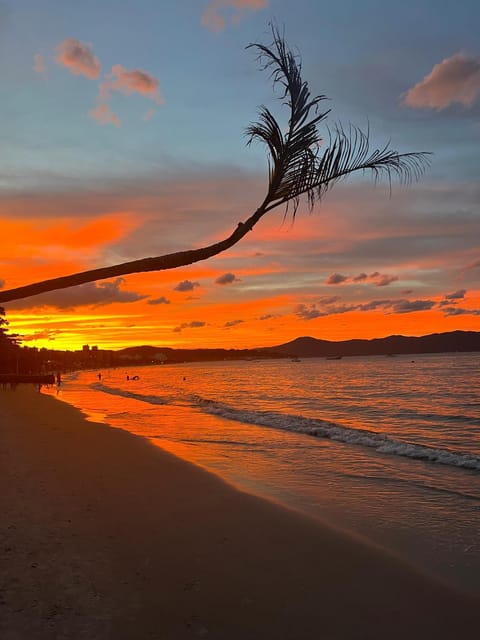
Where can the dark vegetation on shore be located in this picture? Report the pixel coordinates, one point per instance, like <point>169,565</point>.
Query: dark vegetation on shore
<point>30,360</point>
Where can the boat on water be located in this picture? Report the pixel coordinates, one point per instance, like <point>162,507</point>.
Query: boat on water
<point>295,360</point>
<point>333,358</point>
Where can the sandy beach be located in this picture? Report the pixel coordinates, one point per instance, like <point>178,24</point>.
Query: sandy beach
<point>104,536</point>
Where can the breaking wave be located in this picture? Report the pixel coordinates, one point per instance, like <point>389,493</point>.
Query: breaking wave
<point>311,426</point>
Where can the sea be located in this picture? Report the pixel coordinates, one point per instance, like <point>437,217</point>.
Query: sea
<point>384,448</point>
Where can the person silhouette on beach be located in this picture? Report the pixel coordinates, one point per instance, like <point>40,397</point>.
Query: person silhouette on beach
<point>99,376</point>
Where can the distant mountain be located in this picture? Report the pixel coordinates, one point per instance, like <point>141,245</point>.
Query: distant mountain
<point>452,341</point>
<point>308,347</point>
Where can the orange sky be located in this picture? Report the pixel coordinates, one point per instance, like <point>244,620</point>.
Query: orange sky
<point>316,277</point>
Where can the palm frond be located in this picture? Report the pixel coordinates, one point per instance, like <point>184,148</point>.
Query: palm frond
<point>296,166</point>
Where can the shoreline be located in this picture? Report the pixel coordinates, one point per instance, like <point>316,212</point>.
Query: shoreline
<point>105,535</point>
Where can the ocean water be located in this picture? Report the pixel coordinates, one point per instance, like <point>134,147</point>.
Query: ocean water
<point>385,448</point>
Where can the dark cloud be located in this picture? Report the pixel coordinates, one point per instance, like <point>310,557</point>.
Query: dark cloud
<point>375,304</point>
<point>360,278</point>
<point>46,334</point>
<point>79,296</point>
<point>452,298</point>
<point>227,278</point>
<point>312,311</point>
<point>459,311</point>
<point>409,306</point>
<point>378,279</point>
<point>326,300</point>
<point>305,312</point>
<point>384,280</point>
<point>160,300</point>
<point>268,316</point>
<point>456,295</point>
<point>336,278</point>
<point>195,324</point>
<point>232,323</point>
<point>186,285</point>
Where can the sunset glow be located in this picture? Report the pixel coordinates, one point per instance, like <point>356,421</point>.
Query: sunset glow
<point>123,150</point>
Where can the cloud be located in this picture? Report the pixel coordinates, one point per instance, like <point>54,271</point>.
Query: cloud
<point>378,279</point>
<point>104,115</point>
<point>186,285</point>
<point>81,295</point>
<point>129,82</point>
<point>195,324</point>
<point>458,311</point>
<point>455,79</point>
<point>336,278</point>
<point>78,57</point>
<point>408,306</point>
<point>215,21</point>
<point>360,278</point>
<point>326,300</point>
<point>384,280</point>
<point>160,300</point>
<point>456,295</point>
<point>232,323</point>
<point>38,63</point>
<point>227,278</point>
<point>374,304</point>
<point>45,334</point>
<point>451,298</point>
<point>149,115</point>
<point>307,312</point>
<point>329,306</point>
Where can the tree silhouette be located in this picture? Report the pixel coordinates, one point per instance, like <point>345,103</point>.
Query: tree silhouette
<point>9,348</point>
<point>298,166</point>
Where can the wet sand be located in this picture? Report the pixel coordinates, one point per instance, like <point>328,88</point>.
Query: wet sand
<point>104,536</point>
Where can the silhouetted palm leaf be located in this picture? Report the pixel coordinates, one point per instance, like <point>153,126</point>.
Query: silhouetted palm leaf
<point>296,165</point>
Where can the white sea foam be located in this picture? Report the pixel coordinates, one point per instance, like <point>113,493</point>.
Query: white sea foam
<point>314,427</point>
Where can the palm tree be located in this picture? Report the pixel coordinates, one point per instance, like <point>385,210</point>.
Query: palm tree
<point>297,167</point>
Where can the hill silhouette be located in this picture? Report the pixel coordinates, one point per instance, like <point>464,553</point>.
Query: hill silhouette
<point>308,347</point>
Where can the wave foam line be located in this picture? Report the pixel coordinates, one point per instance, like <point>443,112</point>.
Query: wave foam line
<point>317,428</point>
<point>332,431</point>
<point>114,391</point>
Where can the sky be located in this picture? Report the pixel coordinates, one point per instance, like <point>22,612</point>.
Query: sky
<point>122,127</point>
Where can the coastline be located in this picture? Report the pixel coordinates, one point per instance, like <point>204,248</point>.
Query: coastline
<point>104,535</point>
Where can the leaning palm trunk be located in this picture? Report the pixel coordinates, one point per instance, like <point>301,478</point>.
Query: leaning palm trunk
<point>296,168</point>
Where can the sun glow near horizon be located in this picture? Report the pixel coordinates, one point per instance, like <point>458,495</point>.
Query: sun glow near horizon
<point>220,328</point>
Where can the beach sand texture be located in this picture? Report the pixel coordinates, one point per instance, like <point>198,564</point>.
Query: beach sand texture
<point>104,536</point>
